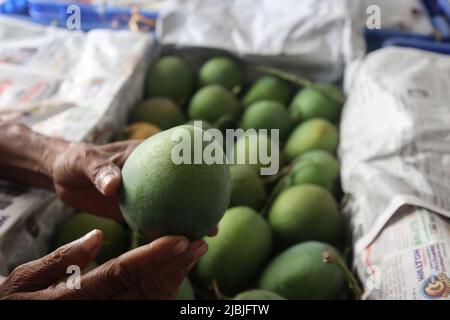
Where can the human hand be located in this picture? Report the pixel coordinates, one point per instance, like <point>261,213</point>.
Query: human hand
<point>152,271</point>
<point>87,176</point>
<point>84,175</point>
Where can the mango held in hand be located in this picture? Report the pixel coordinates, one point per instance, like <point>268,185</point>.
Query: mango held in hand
<point>162,195</point>
<point>305,212</point>
<point>205,125</point>
<point>301,272</point>
<point>237,252</point>
<point>170,78</point>
<point>185,291</point>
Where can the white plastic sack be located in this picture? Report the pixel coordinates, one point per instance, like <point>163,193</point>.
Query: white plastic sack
<point>307,35</point>
<point>395,155</point>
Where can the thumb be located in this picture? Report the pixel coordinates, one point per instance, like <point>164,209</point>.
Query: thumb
<point>41,273</point>
<point>105,175</point>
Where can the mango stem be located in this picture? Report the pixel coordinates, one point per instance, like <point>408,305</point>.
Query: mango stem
<point>328,257</point>
<point>297,80</point>
<point>219,295</point>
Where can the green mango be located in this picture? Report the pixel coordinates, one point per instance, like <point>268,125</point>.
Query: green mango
<point>116,237</point>
<point>170,77</point>
<point>185,292</point>
<point>160,196</point>
<point>268,88</point>
<point>212,103</point>
<point>161,112</point>
<point>310,135</point>
<point>247,151</point>
<point>300,272</point>
<point>317,102</point>
<point>237,253</point>
<point>247,188</point>
<point>267,114</point>
<point>302,213</point>
<point>316,167</point>
<point>258,294</point>
<point>221,71</point>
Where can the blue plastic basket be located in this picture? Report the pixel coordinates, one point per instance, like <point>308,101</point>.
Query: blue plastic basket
<point>14,7</point>
<point>438,12</point>
<point>375,39</point>
<point>445,7</point>
<point>437,16</point>
<point>439,47</point>
<point>91,16</point>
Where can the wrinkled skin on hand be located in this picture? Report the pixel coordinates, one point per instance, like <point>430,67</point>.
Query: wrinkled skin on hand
<point>153,271</point>
<point>85,176</point>
<point>88,177</point>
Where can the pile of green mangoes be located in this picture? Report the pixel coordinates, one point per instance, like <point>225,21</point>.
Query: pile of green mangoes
<point>279,236</point>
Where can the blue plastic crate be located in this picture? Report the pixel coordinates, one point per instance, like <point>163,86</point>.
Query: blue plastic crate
<point>439,47</point>
<point>14,7</point>
<point>375,39</point>
<point>445,7</point>
<point>439,17</point>
<point>91,16</point>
